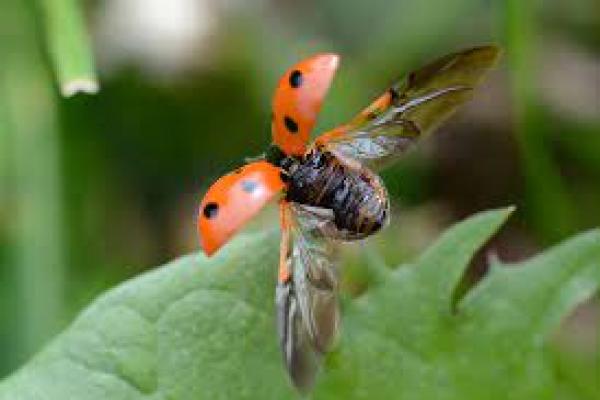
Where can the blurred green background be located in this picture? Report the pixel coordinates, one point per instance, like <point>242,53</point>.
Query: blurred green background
<point>96,189</point>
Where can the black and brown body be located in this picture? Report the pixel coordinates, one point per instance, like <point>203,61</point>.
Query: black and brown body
<point>356,196</point>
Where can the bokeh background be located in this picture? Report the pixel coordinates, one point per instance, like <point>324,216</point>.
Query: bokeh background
<point>96,189</point>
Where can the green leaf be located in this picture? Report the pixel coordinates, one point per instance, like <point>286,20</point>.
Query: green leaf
<point>204,328</point>
<point>402,340</point>
<point>195,328</point>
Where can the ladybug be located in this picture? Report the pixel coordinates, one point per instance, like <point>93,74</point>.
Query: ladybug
<point>328,190</point>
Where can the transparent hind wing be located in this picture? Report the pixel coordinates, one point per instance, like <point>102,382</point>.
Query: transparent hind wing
<point>410,109</point>
<point>306,295</point>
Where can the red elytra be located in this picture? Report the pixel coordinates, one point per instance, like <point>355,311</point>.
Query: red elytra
<point>296,105</point>
<point>298,99</point>
<point>233,200</point>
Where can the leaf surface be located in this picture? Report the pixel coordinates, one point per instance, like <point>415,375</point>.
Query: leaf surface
<point>202,328</point>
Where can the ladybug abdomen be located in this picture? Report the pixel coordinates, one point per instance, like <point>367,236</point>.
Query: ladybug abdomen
<point>356,197</point>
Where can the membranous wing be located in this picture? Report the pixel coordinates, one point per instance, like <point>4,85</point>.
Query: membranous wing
<point>306,295</point>
<point>410,109</point>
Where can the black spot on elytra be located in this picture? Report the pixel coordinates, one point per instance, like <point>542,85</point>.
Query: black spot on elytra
<point>210,210</point>
<point>290,124</point>
<point>249,186</point>
<point>296,79</point>
<point>285,178</point>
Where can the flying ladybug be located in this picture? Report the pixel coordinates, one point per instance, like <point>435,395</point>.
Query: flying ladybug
<point>328,190</point>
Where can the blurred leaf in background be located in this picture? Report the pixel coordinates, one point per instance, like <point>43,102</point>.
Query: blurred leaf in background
<point>34,267</point>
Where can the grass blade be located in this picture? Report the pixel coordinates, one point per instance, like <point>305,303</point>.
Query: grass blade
<point>69,46</point>
<point>545,191</point>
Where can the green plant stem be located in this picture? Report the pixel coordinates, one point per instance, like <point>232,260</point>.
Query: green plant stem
<point>69,46</point>
<point>36,199</point>
<point>547,200</point>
